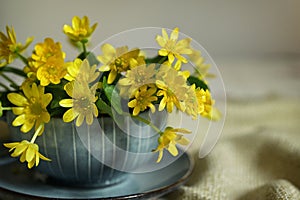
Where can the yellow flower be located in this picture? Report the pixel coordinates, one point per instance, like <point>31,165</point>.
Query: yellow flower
<point>172,87</point>
<point>42,51</point>
<point>205,105</point>
<point>31,107</point>
<point>27,151</point>
<point>48,59</point>
<point>137,77</point>
<point>52,71</point>
<point>117,60</point>
<point>168,140</point>
<point>201,68</point>
<point>143,99</point>
<point>204,101</point>
<point>80,29</point>
<point>81,70</point>
<point>173,48</point>
<point>82,105</point>
<point>191,102</point>
<point>9,46</point>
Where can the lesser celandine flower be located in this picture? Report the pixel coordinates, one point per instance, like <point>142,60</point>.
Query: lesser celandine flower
<point>204,101</point>
<point>117,60</point>
<point>27,151</point>
<point>82,105</point>
<point>143,99</point>
<point>82,70</point>
<point>172,87</point>
<point>52,71</point>
<point>9,47</point>
<point>168,140</point>
<point>173,48</point>
<point>201,68</point>
<point>31,107</point>
<point>48,59</point>
<point>80,29</point>
<point>191,102</point>
<point>137,77</point>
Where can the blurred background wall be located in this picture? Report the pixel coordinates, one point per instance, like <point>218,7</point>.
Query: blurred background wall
<point>242,36</point>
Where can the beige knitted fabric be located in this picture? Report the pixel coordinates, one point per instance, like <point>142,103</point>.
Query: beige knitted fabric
<point>257,156</point>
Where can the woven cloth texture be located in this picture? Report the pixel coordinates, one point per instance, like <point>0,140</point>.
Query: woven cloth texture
<point>257,156</point>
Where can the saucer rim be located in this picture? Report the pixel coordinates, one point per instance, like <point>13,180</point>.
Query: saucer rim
<point>156,192</point>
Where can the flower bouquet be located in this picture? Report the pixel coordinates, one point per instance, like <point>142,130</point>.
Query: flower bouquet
<point>120,81</point>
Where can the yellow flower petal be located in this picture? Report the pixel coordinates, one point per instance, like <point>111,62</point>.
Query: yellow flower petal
<point>174,34</point>
<point>66,103</point>
<point>164,34</point>
<point>111,77</point>
<point>70,115</point>
<point>11,145</point>
<point>18,110</point>
<point>163,52</point>
<point>172,149</point>
<point>108,49</point>
<point>19,150</point>
<point>30,153</point>
<point>19,120</point>
<point>160,40</point>
<point>37,158</point>
<point>17,99</point>
<point>31,164</point>
<point>160,155</point>
<point>79,120</point>
<point>183,141</point>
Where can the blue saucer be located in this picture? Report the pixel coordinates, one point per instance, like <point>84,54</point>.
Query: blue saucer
<point>19,182</point>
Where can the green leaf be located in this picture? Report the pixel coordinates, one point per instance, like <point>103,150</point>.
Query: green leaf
<point>157,59</point>
<point>101,105</point>
<point>13,70</point>
<point>199,83</point>
<point>113,96</point>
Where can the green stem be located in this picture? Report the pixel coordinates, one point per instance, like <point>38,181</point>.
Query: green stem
<point>13,84</point>
<point>148,123</point>
<point>14,71</point>
<point>6,108</point>
<point>84,48</point>
<point>36,133</point>
<point>25,61</point>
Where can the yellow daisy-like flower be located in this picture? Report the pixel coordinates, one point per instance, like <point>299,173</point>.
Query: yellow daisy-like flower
<point>117,60</point>
<point>137,77</point>
<point>42,52</point>
<point>52,71</point>
<point>201,70</point>
<point>143,99</point>
<point>205,102</point>
<point>27,151</point>
<point>172,87</point>
<point>31,107</point>
<point>81,70</point>
<point>80,29</point>
<point>205,105</point>
<point>9,46</point>
<point>191,102</point>
<point>48,59</point>
<point>173,48</point>
<point>82,105</point>
<point>168,140</point>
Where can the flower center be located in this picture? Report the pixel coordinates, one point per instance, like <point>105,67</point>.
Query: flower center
<point>35,107</point>
<point>83,104</point>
